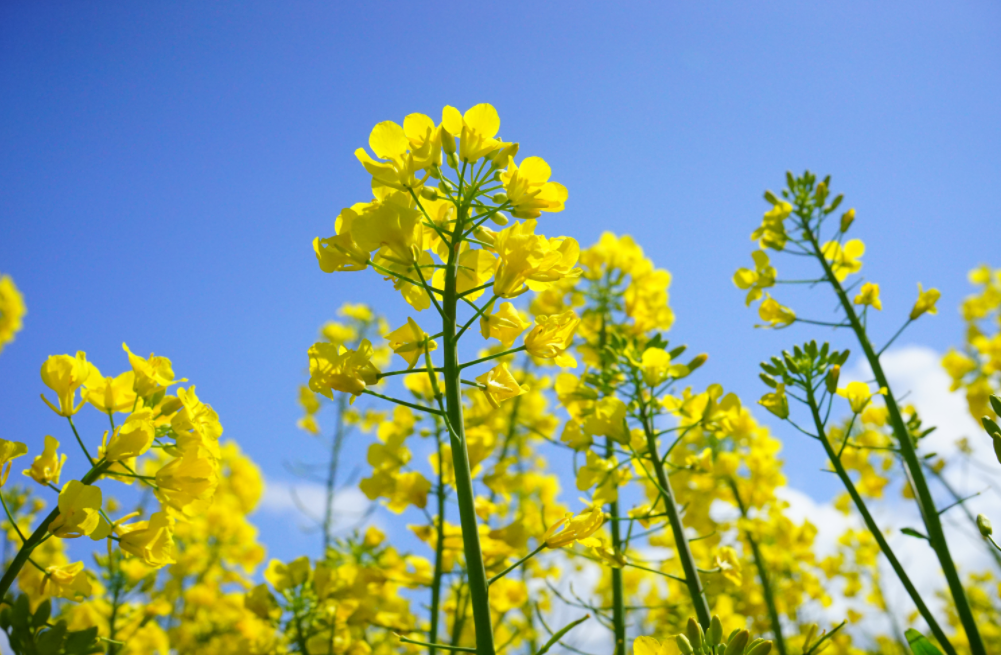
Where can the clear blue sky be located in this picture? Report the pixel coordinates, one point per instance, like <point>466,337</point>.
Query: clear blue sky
<point>164,166</point>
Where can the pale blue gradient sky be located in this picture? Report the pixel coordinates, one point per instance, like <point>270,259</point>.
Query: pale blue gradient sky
<point>164,167</point>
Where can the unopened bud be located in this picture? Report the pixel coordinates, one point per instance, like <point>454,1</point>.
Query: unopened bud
<point>832,378</point>
<point>499,198</point>
<point>715,633</point>
<point>837,201</point>
<point>697,361</point>
<point>770,197</point>
<point>737,642</point>
<point>683,645</point>
<point>991,427</point>
<point>790,180</point>
<point>446,186</point>
<point>429,193</point>
<point>760,648</point>
<point>821,193</point>
<point>847,219</point>
<point>447,143</point>
<point>695,633</point>
<point>984,525</point>
<point>996,404</point>
<point>452,160</point>
<point>500,157</point>
<point>499,219</point>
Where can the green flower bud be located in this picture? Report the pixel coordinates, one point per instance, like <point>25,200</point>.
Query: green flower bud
<point>760,647</point>
<point>737,643</point>
<point>429,193</point>
<point>695,634</point>
<point>448,144</point>
<point>847,219</point>
<point>683,645</point>
<point>984,525</point>
<point>715,633</point>
<point>996,404</point>
<point>833,374</point>
<point>499,198</point>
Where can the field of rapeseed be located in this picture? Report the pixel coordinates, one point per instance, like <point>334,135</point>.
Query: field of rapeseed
<point>518,344</point>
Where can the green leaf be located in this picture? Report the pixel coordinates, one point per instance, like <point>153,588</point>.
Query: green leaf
<point>81,642</point>
<point>919,644</point>
<point>42,613</point>
<point>20,613</point>
<point>50,642</point>
<point>911,532</point>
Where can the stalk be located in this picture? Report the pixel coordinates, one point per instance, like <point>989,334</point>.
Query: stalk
<point>438,551</point>
<point>618,596</point>
<point>475,570</point>
<point>38,535</point>
<point>692,580</point>
<point>912,463</point>
<point>766,585</point>
<point>335,455</point>
<point>870,523</point>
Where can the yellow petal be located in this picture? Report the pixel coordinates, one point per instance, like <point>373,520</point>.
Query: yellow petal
<point>484,119</point>
<point>388,140</point>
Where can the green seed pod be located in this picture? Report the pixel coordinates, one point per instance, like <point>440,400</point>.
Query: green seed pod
<point>984,525</point>
<point>715,633</point>
<point>736,644</point>
<point>695,634</point>
<point>683,645</point>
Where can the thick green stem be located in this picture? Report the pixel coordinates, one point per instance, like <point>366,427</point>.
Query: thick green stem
<point>335,456</point>
<point>870,523</point>
<point>618,596</point>
<point>912,463</point>
<point>766,585</point>
<point>439,550</point>
<point>38,535</point>
<point>476,574</point>
<point>692,580</point>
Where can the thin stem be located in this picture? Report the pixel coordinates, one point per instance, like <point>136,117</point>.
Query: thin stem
<point>912,468</point>
<point>618,592</point>
<point>80,441</point>
<point>432,646</point>
<point>494,356</point>
<point>439,548</point>
<point>874,529</point>
<point>429,410</point>
<point>516,564</point>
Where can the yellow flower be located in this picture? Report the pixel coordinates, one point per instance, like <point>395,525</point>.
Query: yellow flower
<point>476,267</point>
<point>197,424</point>
<point>651,646</point>
<point>656,367</point>
<point>111,394</point>
<point>65,374</point>
<point>47,466</point>
<point>406,156</point>
<point>8,451</point>
<point>505,324</point>
<point>957,365</point>
<point>409,342</point>
<point>775,314</point>
<point>926,302</point>
<point>574,527</point>
<point>476,130</point>
<point>187,483</point>
<point>286,576</point>
<point>339,369</point>
<point>608,420</point>
<point>869,295</point>
<point>762,277</point>
<point>340,253</point>
<point>528,259</point>
<point>844,260</point>
<point>151,541</point>
<point>391,224</point>
<point>79,512</point>
<point>859,395</point>
<point>726,560</point>
<point>499,385</point>
<point>529,189</point>
<point>772,233</point>
<point>262,602</point>
<point>776,402</point>
<point>151,375</point>
<point>11,310</point>
<point>551,336</point>
<point>69,581</point>
<point>132,438</point>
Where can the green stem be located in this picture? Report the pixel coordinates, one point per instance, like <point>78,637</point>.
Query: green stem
<point>915,474</point>
<point>335,456</point>
<point>692,580</point>
<point>39,535</point>
<point>766,586</point>
<point>516,564</point>
<point>618,594</point>
<point>475,570</point>
<point>439,550</point>
<point>870,523</point>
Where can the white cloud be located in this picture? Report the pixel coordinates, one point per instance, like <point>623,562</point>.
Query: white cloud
<point>307,500</point>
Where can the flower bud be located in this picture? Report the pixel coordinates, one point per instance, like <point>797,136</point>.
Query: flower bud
<point>499,219</point>
<point>448,144</point>
<point>770,197</point>
<point>760,647</point>
<point>821,193</point>
<point>446,187</point>
<point>984,525</point>
<point>996,404</point>
<point>832,378</point>
<point>683,645</point>
<point>837,201</point>
<point>737,642</point>
<point>697,361</point>
<point>452,160</point>
<point>500,157</point>
<point>847,219</point>
<point>499,198</point>
<point>790,180</point>
<point>715,633</point>
<point>695,633</point>
<point>429,193</point>
<point>991,427</point>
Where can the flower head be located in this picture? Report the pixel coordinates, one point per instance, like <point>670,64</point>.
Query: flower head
<point>926,302</point>
<point>775,314</point>
<point>151,541</point>
<point>79,512</point>
<point>776,402</point>
<point>133,438</point>
<point>65,374</point>
<point>69,581</point>
<point>869,295</point>
<point>551,336</point>
<point>529,189</point>
<point>859,395</point>
<point>8,451</point>
<point>505,324</point>
<point>337,368</point>
<point>11,310</point>
<point>573,528</point>
<point>410,342</point>
<point>152,375</point>
<point>499,385</point>
<point>46,468</point>
<point>844,260</point>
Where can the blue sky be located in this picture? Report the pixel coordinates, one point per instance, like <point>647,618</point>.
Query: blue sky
<point>164,167</point>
